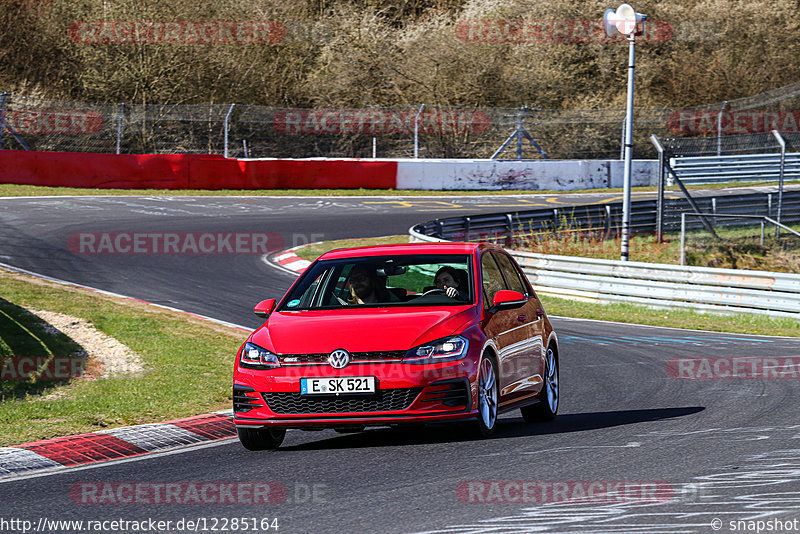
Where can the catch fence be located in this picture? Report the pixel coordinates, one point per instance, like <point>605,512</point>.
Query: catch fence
<point>389,132</point>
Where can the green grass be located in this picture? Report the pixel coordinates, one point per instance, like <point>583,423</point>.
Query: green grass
<point>743,323</point>
<point>740,323</point>
<point>13,190</point>
<point>188,365</point>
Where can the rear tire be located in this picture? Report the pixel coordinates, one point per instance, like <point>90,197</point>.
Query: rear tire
<point>261,439</point>
<point>488,395</point>
<point>546,408</point>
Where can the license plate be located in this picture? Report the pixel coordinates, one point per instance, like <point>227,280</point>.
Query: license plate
<point>338,385</point>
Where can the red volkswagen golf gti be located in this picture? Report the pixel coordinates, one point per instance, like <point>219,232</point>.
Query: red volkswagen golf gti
<point>396,334</point>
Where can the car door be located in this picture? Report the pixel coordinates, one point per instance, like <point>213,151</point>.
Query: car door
<point>529,362</point>
<point>510,330</point>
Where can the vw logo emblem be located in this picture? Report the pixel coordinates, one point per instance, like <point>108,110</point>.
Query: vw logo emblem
<point>339,359</point>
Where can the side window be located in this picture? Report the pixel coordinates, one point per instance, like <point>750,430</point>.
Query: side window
<point>492,278</point>
<point>510,273</point>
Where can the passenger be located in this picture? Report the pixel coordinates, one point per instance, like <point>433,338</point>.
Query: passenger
<point>453,281</point>
<point>366,287</point>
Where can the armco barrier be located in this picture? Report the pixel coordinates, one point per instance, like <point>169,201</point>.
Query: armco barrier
<point>659,285</point>
<point>190,171</point>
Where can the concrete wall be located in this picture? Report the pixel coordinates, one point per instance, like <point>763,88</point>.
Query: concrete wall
<point>557,175</point>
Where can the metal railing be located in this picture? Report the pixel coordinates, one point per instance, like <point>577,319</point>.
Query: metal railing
<point>650,284</point>
<point>761,219</point>
<point>738,168</point>
<point>658,285</point>
<point>604,219</point>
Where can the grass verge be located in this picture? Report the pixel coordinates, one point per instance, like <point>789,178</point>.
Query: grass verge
<point>14,190</point>
<point>188,364</point>
<point>743,323</point>
<point>736,248</point>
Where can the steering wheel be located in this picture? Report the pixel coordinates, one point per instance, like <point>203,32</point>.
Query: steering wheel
<point>432,291</point>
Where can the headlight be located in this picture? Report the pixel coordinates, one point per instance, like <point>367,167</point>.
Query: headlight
<point>442,350</point>
<point>255,356</point>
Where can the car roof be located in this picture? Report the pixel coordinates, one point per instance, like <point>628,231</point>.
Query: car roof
<point>405,249</point>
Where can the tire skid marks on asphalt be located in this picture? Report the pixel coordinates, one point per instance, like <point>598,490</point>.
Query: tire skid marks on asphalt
<point>757,488</point>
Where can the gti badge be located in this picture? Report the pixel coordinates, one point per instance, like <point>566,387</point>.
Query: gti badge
<point>339,359</point>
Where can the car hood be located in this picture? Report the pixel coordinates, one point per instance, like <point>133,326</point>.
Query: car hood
<point>360,330</point>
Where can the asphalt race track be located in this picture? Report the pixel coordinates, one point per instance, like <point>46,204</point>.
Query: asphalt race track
<point>671,455</point>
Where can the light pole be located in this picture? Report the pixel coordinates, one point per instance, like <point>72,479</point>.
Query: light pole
<point>626,21</point>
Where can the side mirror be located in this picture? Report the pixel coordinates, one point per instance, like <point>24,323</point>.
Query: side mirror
<point>264,308</point>
<point>505,299</point>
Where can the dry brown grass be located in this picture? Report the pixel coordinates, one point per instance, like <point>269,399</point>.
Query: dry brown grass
<point>367,53</point>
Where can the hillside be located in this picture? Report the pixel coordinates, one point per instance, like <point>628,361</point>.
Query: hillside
<point>364,53</point>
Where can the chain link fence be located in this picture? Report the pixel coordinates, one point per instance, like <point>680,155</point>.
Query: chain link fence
<point>443,132</point>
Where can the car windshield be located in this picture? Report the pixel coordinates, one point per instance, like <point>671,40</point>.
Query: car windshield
<point>383,281</point>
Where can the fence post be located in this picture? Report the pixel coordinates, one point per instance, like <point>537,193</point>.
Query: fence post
<point>719,128</point>
<point>3,96</point>
<point>5,126</point>
<point>120,111</point>
<point>227,119</point>
<point>660,198</point>
<point>416,131</point>
<point>683,238</point>
<point>780,139</point>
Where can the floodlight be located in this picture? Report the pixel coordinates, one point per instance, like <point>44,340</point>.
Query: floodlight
<point>610,22</point>
<point>627,20</point>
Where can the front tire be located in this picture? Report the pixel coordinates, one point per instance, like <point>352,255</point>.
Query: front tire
<point>546,408</point>
<point>261,439</point>
<point>487,397</point>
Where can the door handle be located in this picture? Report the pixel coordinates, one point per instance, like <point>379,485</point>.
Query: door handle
<point>540,313</point>
<point>521,318</point>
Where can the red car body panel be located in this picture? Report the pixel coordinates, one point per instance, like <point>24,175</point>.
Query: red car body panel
<point>439,391</point>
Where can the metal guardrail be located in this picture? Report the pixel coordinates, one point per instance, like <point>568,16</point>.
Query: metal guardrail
<point>742,167</point>
<point>649,284</point>
<point>662,285</point>
<point>606,218</point>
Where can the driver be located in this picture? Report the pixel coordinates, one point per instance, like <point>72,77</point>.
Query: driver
<point>450,280</point>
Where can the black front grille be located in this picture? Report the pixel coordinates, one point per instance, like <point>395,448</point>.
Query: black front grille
<point>453,393</point>
<point>354,357</point>
<point>384,400</point>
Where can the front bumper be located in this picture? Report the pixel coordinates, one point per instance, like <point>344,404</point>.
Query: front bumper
<point>405,393</point>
